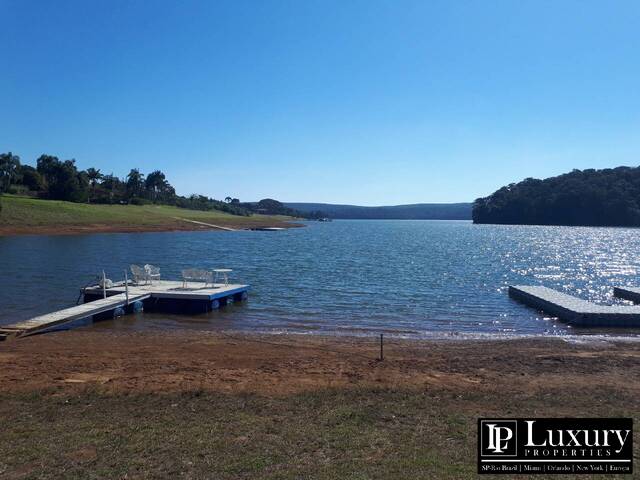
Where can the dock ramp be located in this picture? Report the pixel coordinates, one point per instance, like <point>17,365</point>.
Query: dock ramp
<point>43,322</point>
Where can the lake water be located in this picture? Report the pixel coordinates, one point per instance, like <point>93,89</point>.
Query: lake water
<point>414,278</point>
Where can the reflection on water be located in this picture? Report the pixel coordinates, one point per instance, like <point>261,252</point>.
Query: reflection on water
<point>409,277</point>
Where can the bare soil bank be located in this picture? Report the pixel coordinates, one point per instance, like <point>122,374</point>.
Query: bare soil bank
<point>86,404</point>
<point>286,364</point>
<point>102,228</point>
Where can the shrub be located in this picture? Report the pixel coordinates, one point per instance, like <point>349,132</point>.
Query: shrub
<point>139,201</point>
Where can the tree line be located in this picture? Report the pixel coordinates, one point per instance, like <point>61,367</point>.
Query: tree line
<point>607,197</point>
<point>56,179</point>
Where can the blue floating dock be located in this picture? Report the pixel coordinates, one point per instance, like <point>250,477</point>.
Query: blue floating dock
<point>177,297</point>
<point>120,299</point>
<point>576,311</point>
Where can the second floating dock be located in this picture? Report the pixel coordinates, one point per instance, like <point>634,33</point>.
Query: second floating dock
<point>576,311</point>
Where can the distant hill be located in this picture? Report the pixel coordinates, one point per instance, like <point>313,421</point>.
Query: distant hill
<point>418,211</point>
<point>608,197</point>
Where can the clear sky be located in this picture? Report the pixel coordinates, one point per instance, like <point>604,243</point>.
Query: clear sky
<point>365,102</point>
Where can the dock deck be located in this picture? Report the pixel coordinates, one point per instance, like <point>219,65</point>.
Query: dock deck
<point>166,295</point>
<point>576,311</point>
<point>173,289</point>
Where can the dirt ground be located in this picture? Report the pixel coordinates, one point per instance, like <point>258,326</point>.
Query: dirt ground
<point>85,404</point>
<point>288,364</point>
<point>8,230</point>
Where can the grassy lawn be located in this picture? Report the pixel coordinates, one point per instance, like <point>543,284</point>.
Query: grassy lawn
<point>328,434</point>
<point>23,212</point>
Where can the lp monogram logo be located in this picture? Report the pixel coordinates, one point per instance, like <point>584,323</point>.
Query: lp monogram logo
<point>499,437</point>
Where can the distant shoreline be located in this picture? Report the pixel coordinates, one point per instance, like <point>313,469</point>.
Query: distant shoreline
<point>416,211</point>
<point>101,228</point>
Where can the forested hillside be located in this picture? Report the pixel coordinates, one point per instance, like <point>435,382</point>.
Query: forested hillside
<point>608,197</point>
<point>418,211</point>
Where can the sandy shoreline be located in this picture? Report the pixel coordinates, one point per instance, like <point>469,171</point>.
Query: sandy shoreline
<point>7,231</point>
<point>289,364</point>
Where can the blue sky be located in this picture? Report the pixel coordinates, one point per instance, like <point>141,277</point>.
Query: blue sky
<point>364,102</point>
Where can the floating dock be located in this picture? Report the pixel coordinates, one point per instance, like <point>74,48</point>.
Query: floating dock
<point>628,293</point>
<point>576,311</point>
<point>161,295</point>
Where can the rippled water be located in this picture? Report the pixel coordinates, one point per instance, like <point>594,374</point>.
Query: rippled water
<point>406,277</point>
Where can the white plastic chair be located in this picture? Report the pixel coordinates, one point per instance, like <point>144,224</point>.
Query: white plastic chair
<point>153,272</point>
<point>139,274</point>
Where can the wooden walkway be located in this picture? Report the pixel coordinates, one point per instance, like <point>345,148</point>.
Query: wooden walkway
<point>43,322</point>
<point>576,311</point>
<point>219,227</point>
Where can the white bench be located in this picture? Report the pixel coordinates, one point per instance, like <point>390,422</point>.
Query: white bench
<point>196,275</point>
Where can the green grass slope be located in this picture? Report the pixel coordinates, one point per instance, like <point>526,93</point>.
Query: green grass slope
<point>20,214</point>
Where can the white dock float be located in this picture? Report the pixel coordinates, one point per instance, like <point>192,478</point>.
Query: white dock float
<point>43,322</point>
<point>163,295</point>
<point>576,311</point>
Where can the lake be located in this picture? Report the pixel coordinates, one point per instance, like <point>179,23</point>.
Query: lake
<point>412,278</point>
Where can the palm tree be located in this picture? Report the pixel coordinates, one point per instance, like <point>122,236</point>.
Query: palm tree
<point>9,166</point>
<point>94,176</point>
<point>156,184</point>
<point>135,183</point>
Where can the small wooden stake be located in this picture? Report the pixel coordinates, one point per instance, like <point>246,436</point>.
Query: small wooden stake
<point>381,347</point>
<point>126,285</point>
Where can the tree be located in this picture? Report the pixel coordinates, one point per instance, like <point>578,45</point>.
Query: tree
<point>94,176</point>
<point>156,185</point>
<point>228,199</point>
<point>135,184</point>
<point>45,166</point>
<point>112,188</point>
<point>270,206</point>
<point>62,179</point>
<point>30,178</point>
<point>68,184</point>
<point>9,167</point>
<point>608,197</point>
